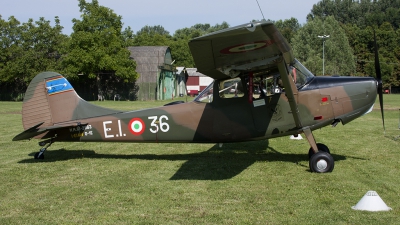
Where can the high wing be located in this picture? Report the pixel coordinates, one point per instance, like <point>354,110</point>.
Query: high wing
<point>251,47</point>
<point>248,47</point>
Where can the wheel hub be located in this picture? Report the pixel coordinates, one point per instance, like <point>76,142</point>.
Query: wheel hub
<point>322,164</point>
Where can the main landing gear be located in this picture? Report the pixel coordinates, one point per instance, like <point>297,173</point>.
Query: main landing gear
<point>45,144</point>
<point>321,161</point>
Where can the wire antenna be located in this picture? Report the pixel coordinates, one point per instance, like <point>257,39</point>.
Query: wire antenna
<point>260,9</point>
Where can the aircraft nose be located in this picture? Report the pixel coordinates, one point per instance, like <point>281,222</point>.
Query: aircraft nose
<point>351,96</point>
<point>361,95</point>
<point>364,90</point>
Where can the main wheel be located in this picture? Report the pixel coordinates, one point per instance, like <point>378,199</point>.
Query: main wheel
<point>321,147</point>
<point>322,162</point>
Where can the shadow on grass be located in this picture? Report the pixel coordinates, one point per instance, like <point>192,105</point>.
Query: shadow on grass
<point>393,138</point>
<point>214,164</point>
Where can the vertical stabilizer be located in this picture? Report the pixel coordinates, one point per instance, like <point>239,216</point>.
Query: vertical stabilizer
<point>50,99</point>
<point>35,108</point>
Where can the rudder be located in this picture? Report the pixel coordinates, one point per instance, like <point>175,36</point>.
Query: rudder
<point>51,99</point>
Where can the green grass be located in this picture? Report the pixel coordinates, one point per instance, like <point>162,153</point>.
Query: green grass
<point>264,182</point>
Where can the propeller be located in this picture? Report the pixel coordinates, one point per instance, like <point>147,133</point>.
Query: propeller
<point>379,79</point>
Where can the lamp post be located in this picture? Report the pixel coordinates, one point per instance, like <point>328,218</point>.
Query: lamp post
<point>324,37</point>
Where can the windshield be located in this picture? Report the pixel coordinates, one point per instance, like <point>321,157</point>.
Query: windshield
<point>206,95</point>
<point>301,75</point>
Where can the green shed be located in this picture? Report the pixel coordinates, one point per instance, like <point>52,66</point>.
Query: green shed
<point>157,79</point>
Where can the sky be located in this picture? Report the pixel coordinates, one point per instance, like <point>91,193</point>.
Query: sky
<point>171,14</point>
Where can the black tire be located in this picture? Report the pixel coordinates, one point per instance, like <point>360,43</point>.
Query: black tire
<point>322,162</point>
<point>39,157</point>
<point>321,147</point>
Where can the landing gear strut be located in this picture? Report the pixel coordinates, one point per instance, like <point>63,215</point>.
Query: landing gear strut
<point>321,147</point>
<point>321,160</point>
<point>45,144</point>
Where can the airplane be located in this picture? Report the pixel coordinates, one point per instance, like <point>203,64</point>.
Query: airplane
<point>241,60</point>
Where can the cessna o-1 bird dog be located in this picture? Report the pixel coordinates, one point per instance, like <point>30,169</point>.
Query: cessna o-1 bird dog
<point>236,107</point>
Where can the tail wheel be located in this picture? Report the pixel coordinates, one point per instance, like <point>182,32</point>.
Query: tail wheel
<point>38,157</point>
<point>322,162</point>
<point>321,147</point>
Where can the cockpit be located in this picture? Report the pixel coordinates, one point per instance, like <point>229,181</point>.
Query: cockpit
<point>263,83</point>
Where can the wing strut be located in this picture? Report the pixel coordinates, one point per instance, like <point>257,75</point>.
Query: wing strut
<point>290,92</point>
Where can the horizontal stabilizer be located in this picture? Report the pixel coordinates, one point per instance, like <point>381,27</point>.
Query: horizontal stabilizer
<point>28,133</point>
<point>35,131</point>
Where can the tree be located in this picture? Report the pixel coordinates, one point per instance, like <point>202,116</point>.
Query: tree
<point>96,46</point>
<point>147,39</point>
<point>128,36</point>
<point>364,13</point>
<point>97,49</point>
<point>179,45</point>
<point>359,19</point>
<point>151,36</point>
<point>387,40</point>
<point>308,47</point>
<point>29,49</point>
<point>11,44</point>
<point>288,28</point>
<point>153,30</point>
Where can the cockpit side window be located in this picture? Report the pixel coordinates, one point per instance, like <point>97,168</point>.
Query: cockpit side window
<point>232,88</point>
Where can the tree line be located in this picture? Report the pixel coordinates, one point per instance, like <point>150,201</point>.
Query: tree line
<point>97,47</point>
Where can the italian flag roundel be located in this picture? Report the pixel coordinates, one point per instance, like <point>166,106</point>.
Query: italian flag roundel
<point>136,126</point>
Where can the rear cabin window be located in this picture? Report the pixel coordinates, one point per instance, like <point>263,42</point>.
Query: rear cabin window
<point>231,88</point>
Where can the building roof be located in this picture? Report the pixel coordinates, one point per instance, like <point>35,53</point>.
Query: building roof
<point>149,54</point>
<point>179,69</point>
<point>193,73</point>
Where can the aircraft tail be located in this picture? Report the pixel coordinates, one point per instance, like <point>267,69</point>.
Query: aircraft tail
<point>50,99</point>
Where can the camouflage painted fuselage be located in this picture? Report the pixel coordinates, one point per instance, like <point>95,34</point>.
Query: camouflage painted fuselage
<point>233,119</point>
<point>321,102</point>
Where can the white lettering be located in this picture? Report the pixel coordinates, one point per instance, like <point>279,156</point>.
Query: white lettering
<point>158,124</point>
<point>119,127</point>
<point>164,126</point>
<point>107,129</point>
<point>153,124</point>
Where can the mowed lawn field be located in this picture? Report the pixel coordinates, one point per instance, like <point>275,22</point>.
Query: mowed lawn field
<point>263,182</point>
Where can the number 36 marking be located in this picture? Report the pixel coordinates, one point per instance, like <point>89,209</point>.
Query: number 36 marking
<point>156,124</point>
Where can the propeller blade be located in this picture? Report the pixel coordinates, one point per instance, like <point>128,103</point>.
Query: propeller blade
<point>379,79</point>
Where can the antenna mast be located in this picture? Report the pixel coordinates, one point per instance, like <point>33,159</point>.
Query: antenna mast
<point>260,9</point>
